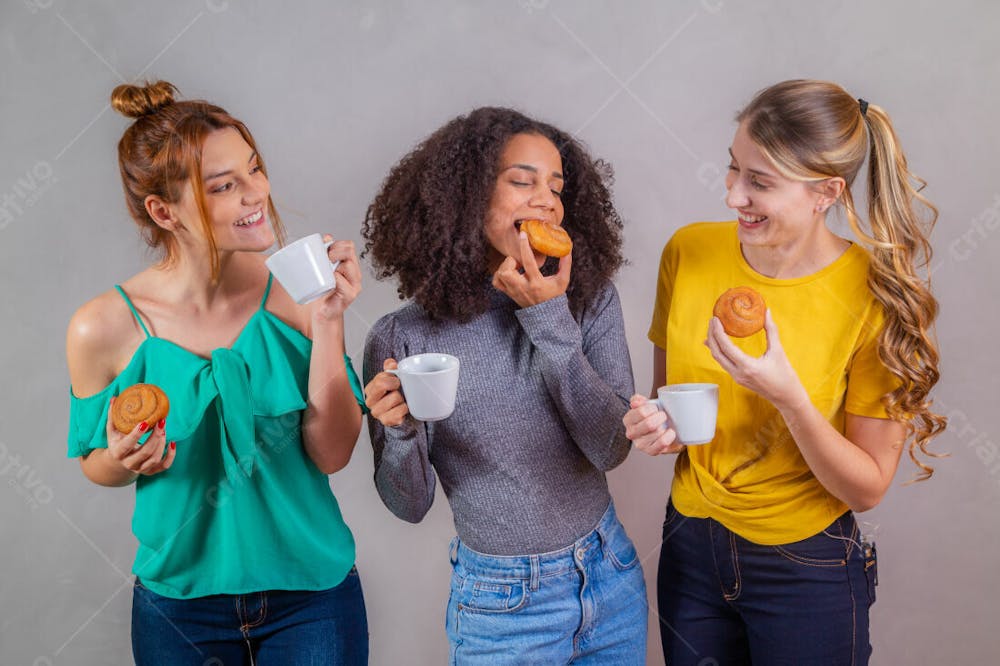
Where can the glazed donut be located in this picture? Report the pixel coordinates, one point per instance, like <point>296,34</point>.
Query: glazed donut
<point>548,239</point>
<point>137,403</point>
<point>741,310</point>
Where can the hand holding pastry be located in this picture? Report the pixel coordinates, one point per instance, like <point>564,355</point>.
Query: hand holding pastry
<point>124,447</point>
<point>645,426</point>
<point>741,311</point>
<point>771,376</point>
<point>383,397</point>
<point>531,287</point>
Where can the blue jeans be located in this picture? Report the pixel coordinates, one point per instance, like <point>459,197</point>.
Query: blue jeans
<point>725,600</point>
<point>302,628</point>
<point>584,604</point>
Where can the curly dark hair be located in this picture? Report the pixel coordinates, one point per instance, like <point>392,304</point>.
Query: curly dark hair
<point>426,224</point>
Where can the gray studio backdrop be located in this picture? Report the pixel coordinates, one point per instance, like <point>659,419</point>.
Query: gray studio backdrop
<point>335,93</point>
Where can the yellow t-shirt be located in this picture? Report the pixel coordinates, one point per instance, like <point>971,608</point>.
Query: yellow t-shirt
<point>751,477</point>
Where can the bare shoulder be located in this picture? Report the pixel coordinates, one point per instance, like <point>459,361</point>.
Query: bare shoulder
<point>99,333</point>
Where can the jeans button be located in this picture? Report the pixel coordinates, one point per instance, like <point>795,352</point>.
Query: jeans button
<point>580,553</point>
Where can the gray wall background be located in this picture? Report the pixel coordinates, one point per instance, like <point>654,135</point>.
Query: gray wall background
<point>335,93</point>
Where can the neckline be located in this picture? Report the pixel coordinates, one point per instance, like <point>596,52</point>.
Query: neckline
<point>847,256</point>
<point>184,350</point>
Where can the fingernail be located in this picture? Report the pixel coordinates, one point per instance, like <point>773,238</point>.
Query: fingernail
<point>173,445</point>
<point>143,427</point>
<point>162,424</point>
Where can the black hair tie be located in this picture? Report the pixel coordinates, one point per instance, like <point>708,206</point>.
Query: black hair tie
<point>864,106</point>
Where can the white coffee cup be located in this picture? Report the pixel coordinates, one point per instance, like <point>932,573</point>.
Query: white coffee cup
<point>304,269</point>
<point>691,410</point>
<point>429,382</point>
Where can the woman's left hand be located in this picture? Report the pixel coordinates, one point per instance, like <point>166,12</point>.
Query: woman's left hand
<point>348,275</point>
<point>771,376</point>
<point>531,287</point>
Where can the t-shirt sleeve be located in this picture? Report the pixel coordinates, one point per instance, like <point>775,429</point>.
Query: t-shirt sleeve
<point>868,379</point>
<point>664,294</point>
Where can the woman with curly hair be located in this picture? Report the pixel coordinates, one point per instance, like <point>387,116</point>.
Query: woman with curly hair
<point>762,561</point>
<point>542,568</point>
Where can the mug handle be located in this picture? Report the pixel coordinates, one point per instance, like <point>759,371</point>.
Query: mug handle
<point>333,264</point>
<point>663,408</point>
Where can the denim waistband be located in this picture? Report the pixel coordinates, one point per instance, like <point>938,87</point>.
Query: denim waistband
<point>540,565</point>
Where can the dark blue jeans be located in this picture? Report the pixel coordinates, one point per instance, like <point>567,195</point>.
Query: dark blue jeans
<point>264,628</point>
<point>725,600</point>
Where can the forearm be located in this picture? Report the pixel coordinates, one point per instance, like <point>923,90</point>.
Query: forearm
<point>847,471</point>
<point>591,402</point>
<point>102,469</point>
<point>332,420</point>
<point>404,476</point>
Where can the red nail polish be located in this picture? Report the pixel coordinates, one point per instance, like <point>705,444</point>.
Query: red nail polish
<point>143,427</point>
<point>161,424</point>
<point>173,445</point>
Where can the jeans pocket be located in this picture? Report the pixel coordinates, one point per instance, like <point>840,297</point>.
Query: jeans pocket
<point>621,551</point>
<point>819,550</point>
<point>481,595</point>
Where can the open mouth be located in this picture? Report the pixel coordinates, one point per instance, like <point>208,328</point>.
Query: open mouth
<point>751,220</point>
<point>250,220</point>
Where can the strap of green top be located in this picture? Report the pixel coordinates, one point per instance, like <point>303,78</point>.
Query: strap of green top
<point>267,290</point>
<point>135,313</point>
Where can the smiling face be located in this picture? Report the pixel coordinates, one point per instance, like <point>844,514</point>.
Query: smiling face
<point>529,186</point>
<point>773,210</point>
<point>236,195</point>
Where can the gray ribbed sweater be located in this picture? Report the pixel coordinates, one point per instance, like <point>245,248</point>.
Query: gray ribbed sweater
<point>537,421</point>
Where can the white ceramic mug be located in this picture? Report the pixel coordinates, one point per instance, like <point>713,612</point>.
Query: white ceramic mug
<point>691,410</point>
<point>304,269</point>
<point>429,382</point>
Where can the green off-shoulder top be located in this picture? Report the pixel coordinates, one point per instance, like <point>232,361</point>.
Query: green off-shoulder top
<point>243,508</point>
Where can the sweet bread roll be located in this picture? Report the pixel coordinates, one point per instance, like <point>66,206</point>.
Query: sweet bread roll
<point>137,403</point>
<point>548,239</point>
<point>741,310</point>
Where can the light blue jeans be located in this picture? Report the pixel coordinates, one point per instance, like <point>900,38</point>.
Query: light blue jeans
<point>584,604</point>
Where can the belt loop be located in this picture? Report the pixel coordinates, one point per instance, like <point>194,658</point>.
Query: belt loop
<point>535,571</point>
<point>453,550</point>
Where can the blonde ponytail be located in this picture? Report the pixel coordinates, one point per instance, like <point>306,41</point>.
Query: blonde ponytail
<point>898,244</point>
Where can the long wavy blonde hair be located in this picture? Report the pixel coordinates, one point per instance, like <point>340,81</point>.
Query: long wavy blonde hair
<point>814,130</point>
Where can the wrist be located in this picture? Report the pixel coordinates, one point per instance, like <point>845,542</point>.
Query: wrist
<point>793,400</point>
<point>326,324</point>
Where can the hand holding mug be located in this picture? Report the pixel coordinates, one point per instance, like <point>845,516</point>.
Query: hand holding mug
<point>384,399</point>
<point>646,427</point>
<point>347,280</point>
<point>423,385</point>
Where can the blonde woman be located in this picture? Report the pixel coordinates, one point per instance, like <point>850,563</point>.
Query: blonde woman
<point>762,561</point>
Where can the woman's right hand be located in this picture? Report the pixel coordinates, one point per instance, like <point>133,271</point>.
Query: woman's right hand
<point>383,397</point>
<point>645,425</point>
<point>144,459</point>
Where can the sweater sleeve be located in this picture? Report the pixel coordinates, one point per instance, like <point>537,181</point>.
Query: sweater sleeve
<point>587,372</point>
<point>403,473</point>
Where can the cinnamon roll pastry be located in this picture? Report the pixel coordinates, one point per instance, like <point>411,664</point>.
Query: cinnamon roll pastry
<point>137,403</point>
<point>741,311</point>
